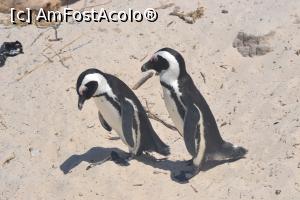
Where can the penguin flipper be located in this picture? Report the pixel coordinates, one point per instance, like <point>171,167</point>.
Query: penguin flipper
<point>191,119</point>
<point>127,113</point>
<point>104,124</point>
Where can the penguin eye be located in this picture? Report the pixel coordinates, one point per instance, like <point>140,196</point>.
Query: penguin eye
<point>91,88</point>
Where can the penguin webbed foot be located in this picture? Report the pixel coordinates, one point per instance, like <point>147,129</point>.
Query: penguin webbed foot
<point>115,157</point>
<point>185,175</point>
<point>181,177</point>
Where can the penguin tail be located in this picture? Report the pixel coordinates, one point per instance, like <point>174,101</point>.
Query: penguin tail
<point>160,147</point>
<point>228,151</point>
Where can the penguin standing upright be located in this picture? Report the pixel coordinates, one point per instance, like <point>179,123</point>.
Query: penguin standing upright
<point>119,109</point>
<point>190,113</point>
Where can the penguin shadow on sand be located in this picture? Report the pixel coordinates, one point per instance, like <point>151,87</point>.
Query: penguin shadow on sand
<point>99,155</point>
<point>177,166</point>
<point>92,156</point>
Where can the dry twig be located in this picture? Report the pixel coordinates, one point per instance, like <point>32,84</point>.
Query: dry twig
<point>195,190</point>
<point>143,58</point>
<point>203,76</point>
<point>112,138</point>
<point>190,17</point>
<point>7,160</point>
<point>81,45</point>
<point>137,185</point>
<point>170,23</point>
<point>60,51</point>
<point>3,124</point>
<point>60,59</point>
<point>223,66</point>
<point>49,59</point>
<point>142,80</point>
<point>56,38</point>
<point>38,37</point>
<point>164,6</point>
<point>156,118</point>
<point>149,113</point>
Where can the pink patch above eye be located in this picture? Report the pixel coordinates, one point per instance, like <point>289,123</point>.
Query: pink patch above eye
<point>82,89</point>
<point>154,58</point>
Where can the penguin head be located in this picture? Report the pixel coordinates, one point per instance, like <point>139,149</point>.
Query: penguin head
<point>167,62</point>
<point>88,85</point>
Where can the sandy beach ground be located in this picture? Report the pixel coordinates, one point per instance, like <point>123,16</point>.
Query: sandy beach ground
<point>254,99</point>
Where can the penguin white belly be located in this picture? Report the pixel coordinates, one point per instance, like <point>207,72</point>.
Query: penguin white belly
<point>111,115</point>
<point>173,112</point>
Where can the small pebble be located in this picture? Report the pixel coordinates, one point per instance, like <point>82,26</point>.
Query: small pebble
<point>90,125</point>
<point>34,152</point>
<point>224,11</point>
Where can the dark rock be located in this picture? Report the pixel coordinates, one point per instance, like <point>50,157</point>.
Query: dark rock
<point>224,11</point>
<point>9,49</point>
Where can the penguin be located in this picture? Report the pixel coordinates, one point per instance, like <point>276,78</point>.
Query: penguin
<point>119,109</point>
<point>190,113</point>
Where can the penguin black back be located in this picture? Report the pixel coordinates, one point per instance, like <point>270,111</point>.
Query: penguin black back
<point>108,88</point>
<point>190,111</point>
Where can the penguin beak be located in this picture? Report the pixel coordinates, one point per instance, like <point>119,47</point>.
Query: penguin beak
<point>81,100</point>
<point>146,66</point>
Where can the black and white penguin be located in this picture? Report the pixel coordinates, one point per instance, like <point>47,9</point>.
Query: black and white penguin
<point>119,109</point>
<point>190,113</point>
